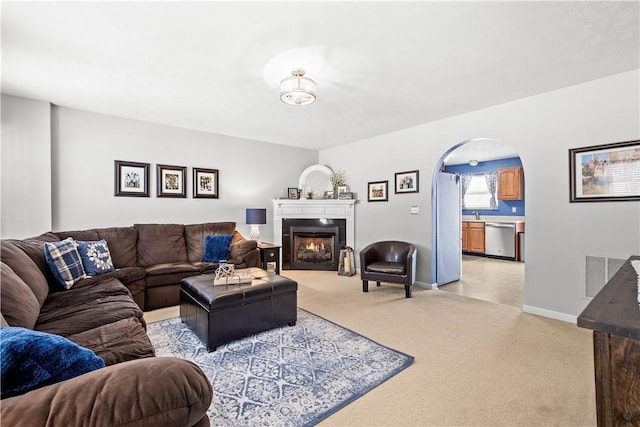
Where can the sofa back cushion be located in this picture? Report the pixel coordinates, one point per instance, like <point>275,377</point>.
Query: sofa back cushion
<point>34,248</point>
<point>23,266</point>
<point>160,244</point>
<point>122,243</point>
<point>78,234</point>
<point>18,304</point>
<point>195,235</point>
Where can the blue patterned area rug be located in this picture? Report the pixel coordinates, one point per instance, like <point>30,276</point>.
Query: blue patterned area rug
<point>290,376</point>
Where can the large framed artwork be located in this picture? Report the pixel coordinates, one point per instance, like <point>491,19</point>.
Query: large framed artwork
<point>205,183</point>
<point>172,181</point>
<point>605,173</point>
<point>131,179</point>
<point>407,182</point>
<point>378,191</point>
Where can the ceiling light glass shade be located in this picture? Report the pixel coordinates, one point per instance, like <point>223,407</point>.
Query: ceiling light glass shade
<point>297,89</point>
<point>473,162</point>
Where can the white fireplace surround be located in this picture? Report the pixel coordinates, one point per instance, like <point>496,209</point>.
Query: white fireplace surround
<point>314,209</point>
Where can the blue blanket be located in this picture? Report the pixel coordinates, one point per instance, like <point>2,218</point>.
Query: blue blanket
<point>31,359</point>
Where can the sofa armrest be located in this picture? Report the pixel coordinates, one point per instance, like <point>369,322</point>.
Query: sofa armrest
<point>157,391</point>
<point>244,252</point>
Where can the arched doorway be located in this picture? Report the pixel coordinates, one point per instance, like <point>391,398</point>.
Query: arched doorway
<point>491,276</point>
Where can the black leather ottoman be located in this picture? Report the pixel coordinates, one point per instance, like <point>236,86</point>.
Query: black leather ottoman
<point>223,313</point>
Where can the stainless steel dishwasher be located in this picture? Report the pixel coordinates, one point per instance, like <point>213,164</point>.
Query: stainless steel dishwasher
<point>500,239</point>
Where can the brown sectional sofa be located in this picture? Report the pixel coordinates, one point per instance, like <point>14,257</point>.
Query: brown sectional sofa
<point>150,259</point>
<point>105,314</point>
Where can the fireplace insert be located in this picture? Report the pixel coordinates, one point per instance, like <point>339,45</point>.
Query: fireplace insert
<point>312,244</point>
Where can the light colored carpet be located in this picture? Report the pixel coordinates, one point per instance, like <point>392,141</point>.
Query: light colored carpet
<point>476,363</point>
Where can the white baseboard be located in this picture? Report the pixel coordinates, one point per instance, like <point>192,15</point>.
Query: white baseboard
<point>430,286</point>
<point>551,314</point>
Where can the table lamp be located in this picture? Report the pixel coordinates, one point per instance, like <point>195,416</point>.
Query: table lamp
<point>256,217</point>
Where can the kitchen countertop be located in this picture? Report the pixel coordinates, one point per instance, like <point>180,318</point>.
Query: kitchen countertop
<point>488,218</point>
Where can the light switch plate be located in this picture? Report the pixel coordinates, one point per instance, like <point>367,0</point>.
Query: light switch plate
<point>513,209</point>
<point>414,210</point>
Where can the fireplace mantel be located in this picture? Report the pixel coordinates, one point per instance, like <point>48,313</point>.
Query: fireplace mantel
<point>304,208</point>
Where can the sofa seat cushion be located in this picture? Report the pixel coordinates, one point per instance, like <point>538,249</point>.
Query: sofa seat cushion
<point>170,268</point>
<point>117,342</point>
<point>206,267</point>
<point>160,244</point>
<point>169,273</point>
<point>386,267</point>
<point>88,305</point>
<point>31,359</point>
<point>18,303</point>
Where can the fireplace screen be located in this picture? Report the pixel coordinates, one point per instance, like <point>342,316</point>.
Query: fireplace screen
<point>314,250</point>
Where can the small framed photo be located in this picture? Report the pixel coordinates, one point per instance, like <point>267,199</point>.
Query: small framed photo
<point>172,181</point>
<point>131,179</point>
<point>328,194</point>
<point>205,183</point>
<point>293,193</point>
<point>378,191</point>
<point>345,195</point>
<point>605,173</point>
<point>407,182</point>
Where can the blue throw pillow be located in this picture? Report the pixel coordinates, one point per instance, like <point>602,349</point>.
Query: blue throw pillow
<point>217,248</point>
<point>31,359</point>
<point>96,258</point>
<point>64,261</point>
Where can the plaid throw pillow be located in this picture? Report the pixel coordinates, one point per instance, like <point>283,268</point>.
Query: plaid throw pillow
<point>65,262</point>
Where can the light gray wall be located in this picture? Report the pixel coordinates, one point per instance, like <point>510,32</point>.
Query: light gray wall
<point>58,171</point>
<point>26,184</point>
<point>85,146</point>
<point>541,128</point>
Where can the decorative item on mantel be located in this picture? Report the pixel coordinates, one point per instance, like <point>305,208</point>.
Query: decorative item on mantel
<point>338,179</point>
<point>346,263</point>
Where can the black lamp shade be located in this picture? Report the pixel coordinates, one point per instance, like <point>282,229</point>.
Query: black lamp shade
<point>256,216</point>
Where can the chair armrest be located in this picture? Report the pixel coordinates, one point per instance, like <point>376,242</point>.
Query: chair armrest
<point>368,255</point>
<point>157,391</point>
<point>411,262</point>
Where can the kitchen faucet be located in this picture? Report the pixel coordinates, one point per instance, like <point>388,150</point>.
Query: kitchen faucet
<point>477,214</point>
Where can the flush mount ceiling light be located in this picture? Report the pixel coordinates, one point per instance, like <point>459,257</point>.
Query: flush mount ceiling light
<point>473,162</point>
<point>297,89</point>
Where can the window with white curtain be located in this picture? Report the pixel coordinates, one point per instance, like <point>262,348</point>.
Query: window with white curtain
<point>477,194</point>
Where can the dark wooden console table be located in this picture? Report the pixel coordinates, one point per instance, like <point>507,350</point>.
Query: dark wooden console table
<point>614,317</point>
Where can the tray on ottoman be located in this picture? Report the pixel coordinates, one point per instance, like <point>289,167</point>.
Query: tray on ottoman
<point>219,314</point>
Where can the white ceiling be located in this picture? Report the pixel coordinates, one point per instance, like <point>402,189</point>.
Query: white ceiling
<point>379,66</point>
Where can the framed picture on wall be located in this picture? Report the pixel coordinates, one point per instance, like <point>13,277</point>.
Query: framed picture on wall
<point>205,183</point>
<point>378,191</point>
<point>605,173</point>
<point>131,179</point>
<point>172,181</point>
<point>407,182</point>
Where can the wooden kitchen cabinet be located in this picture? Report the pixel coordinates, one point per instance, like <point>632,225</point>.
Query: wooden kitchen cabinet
<point>510,183</point>
<point>465,240</point>
<point>475,237</point>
